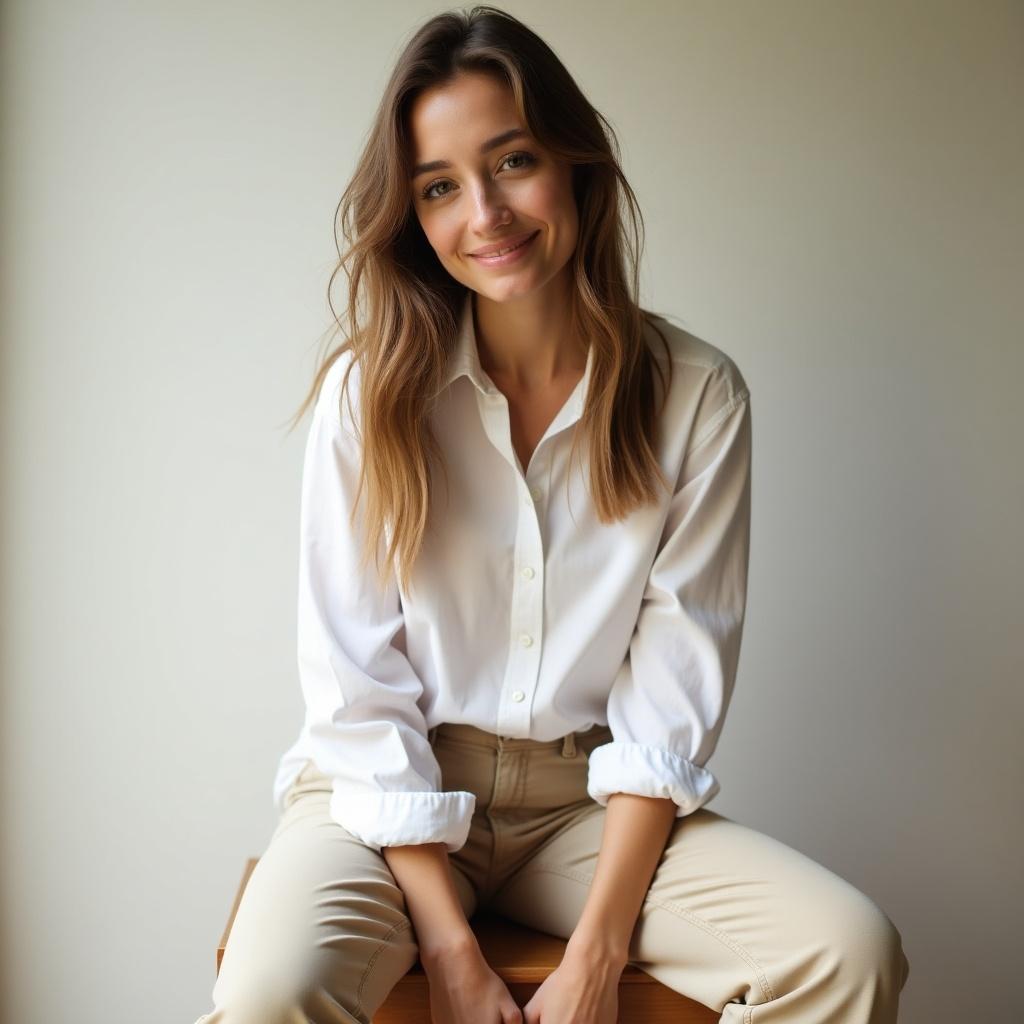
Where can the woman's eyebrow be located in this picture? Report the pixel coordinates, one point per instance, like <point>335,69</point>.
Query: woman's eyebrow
<point>437,165</point>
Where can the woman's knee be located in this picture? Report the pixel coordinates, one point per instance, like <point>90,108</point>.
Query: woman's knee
<point>861,941</point>
<point>342,977</point>
<point>285,996</point>
<point>253,1008</point>
<point>278,1010</point>
<point>269,994</point>
<point>327,951</point>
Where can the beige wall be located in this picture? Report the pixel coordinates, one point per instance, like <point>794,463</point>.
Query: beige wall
<point>833,195</point>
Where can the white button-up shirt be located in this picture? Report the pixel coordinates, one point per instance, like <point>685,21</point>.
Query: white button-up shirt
<point>527,616</point>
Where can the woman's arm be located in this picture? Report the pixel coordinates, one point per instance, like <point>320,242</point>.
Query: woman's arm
<point>585,985</point>
<point>424,875</point>
<point>463,987</point>
<point>636,829</point>
<point>668,702</point>
<point>364,722</point>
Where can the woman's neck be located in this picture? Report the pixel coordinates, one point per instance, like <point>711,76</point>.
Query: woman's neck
<point>527,343</point>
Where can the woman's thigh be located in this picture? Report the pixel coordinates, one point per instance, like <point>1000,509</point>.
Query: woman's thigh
<point>321,933</point>
<point>734,919</point>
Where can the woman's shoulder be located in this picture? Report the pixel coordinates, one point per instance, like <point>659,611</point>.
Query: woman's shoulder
<point>697,364</point>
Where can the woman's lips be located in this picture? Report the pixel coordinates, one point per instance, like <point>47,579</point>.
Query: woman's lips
<point>509,257</point>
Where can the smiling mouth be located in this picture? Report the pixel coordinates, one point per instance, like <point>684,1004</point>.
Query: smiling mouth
<point>503,252</point>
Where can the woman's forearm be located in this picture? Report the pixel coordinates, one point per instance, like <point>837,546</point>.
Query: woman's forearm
<point>636,829</point>
<point>424,875</point>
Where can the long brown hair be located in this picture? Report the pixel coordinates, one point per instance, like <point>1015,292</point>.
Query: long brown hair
<point>408,327</point>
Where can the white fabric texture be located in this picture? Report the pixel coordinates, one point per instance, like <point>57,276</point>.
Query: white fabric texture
<point>526,616</point>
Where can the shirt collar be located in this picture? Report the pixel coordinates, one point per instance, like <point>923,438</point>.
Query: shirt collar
<point>465,360</point>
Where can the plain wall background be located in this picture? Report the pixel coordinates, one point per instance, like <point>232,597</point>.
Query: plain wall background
<point>833,194</point>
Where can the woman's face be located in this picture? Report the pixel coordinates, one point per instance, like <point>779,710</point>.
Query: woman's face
<point>492,192</point>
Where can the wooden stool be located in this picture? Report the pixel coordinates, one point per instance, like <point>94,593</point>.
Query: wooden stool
<point>522,958</point>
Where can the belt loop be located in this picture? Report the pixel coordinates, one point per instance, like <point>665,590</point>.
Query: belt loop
<point>569,745</point>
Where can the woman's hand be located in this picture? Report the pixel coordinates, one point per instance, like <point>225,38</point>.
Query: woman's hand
<point>583,989</point>
<point>464,990</point>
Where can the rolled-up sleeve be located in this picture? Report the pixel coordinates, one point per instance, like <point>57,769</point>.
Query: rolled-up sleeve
<point>668,701</point>
<point>366,728</point>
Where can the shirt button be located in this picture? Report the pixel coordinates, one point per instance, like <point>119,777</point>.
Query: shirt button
<point>528,573</point>
<point>525,639</point>
<point>518,696</point>
<point>535,494</point>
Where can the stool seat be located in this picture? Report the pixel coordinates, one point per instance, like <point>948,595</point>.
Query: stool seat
<point>522,958</point>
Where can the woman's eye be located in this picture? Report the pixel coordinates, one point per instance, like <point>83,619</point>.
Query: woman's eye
<point>434,184</point>
<point>526,159</point>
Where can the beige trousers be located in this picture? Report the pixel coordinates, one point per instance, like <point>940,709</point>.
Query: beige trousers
<point>733,918</point>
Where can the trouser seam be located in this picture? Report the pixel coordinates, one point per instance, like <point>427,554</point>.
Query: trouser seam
<point>485,890</point>
<point>384,943</point>
<point>679,911</point>
<point>524,774</point>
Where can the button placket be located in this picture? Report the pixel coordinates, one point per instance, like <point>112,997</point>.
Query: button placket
<point>526,620</point>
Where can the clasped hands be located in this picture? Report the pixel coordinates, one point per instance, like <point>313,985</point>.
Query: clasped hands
<point>583,989</point>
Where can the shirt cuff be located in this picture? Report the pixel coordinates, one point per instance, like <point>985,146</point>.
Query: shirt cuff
<point>405,818</point>
<point>620,767</point>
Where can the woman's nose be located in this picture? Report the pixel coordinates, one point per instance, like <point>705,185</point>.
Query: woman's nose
<point>490,209</point>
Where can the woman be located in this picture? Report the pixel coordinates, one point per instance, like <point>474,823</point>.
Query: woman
<point>536,666</point>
